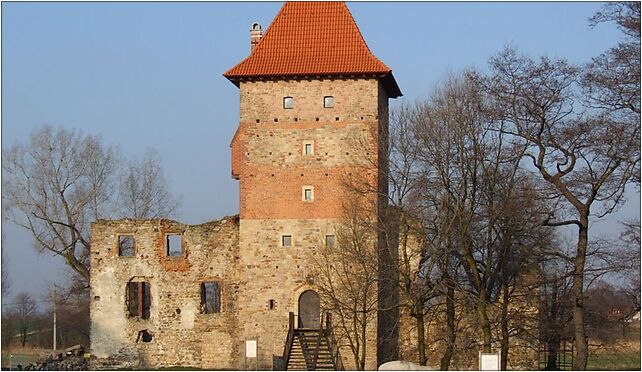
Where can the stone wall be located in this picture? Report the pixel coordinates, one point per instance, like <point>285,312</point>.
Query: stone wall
<point>355,99</point>
<point>269,160</point>
<point>181,333</point>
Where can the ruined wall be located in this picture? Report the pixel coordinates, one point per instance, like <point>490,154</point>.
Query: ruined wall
<point>181,333</point>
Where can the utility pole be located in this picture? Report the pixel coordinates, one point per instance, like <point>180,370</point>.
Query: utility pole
<point>54,318</point>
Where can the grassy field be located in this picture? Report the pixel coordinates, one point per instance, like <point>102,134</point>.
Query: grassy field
<point>616,361</point>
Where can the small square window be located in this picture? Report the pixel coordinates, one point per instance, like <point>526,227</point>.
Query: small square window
<point>307,149</point>
<point>174,245</point>
<point>286,240</point>
<point>210,297</point>
<point>288,102</point>
<point>307,194</point>
<point>329,241</point>
<point>126,245</point>
<point>328,101</point>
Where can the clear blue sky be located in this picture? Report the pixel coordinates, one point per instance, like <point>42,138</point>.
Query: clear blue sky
<point>149,75</point>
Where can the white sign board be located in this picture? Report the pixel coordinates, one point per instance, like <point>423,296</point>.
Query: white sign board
<point>489,362</point>
<point>250,348</point>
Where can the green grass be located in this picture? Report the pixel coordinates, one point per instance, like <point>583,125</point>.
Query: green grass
<point>616,361</point>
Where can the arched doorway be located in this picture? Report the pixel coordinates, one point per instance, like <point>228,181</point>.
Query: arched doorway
<point>309,310</point>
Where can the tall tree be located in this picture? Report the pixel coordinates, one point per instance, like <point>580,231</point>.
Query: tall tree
<point>25,307</point>
<point>55,185</point>
<point>420,273</point>
<point>587,157</point>
<point>61,180</point>
<point>484,199</point>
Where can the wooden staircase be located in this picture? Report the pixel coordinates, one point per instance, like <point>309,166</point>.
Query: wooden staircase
<point>312,349</point>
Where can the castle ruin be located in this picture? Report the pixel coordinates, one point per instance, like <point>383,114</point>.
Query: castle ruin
<point>313,110</point>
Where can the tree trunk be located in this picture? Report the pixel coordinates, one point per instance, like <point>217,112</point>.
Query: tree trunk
<point>364,339</point>
<point>504,327</point>
<point>421,334</point>
<point>484,323</point>
<point>581,344</point>
<point>23,336</point>
<point>450,328</point>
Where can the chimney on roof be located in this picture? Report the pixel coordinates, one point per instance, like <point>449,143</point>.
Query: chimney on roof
<point>255,34</point>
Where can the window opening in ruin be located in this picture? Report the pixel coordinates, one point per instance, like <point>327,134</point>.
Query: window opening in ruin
<point>210,297</point>
<point>328,101</point>
<point>174,245</point>
<point>329,241</point>
<point>138,299</point>
<point>286,240</point>
<point>126,245</point>
<point>271,304</point>
<point>288,102</point>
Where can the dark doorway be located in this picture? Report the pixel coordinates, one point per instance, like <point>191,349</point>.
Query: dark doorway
<point>309,310</point>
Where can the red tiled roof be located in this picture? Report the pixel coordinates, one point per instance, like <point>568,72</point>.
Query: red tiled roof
<point>313,38</point>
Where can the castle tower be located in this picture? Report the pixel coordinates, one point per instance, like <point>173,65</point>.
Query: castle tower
<point>313,109</point>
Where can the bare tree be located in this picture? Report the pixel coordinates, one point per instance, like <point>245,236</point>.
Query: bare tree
<point>460,198</point>
<point>25,307</point>
<point>6,282</point>
<point>60,181</point>
<point>488,201</point>
<point>346,277</point>
<point>612,80</point>
<point>143,189</point>
<point>587,157</point>
<point>418,266</point>
<point>55,185</point>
